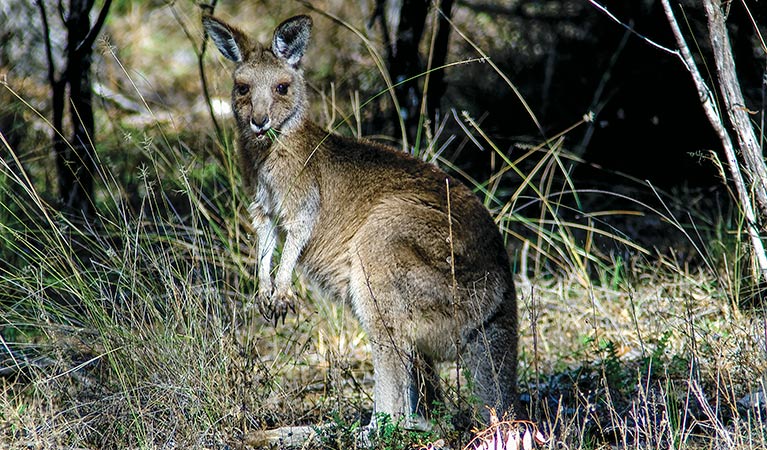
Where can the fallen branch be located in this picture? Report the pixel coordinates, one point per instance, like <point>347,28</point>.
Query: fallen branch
<point>283,437</point>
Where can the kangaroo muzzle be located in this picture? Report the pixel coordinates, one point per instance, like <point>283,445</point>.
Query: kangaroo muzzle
<point>260,125</point>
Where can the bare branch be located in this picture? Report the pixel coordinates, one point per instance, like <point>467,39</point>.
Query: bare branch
<point>90,38</point>
<point>62,12</point>
<point>47,41</point>
<point>380,15</point>
<point>206,9</point>
<point>632,30</point>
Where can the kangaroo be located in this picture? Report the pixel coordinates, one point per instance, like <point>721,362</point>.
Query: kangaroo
<point>412,251</point>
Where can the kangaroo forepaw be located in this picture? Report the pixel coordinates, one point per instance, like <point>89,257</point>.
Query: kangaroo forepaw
<point>263,301</point>
<point>283,301</point>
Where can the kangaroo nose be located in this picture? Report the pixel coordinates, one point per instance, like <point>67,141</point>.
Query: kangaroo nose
<point>259,121</point>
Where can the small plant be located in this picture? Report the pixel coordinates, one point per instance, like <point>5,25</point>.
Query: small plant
<point>386,435</point>
<point>340,433</point>
<point>613,369</point>
<point>389,435</point>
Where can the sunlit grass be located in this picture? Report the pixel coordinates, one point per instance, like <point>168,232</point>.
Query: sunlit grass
<point>127,330</point>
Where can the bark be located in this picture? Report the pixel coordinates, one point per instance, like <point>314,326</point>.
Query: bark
<point>737,112</point>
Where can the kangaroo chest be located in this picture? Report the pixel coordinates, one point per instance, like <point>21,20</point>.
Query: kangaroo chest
<point>275,183</point>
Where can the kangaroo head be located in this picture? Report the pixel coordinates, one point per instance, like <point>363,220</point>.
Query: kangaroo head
<point>269,90</point>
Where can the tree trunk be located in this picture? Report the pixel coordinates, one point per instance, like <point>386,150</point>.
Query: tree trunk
<point>76,160</point>
<point>756,170</point>
<point>75,157</point>
<point>437,85</point>
<point>405,63</point>
<point>404,60</point>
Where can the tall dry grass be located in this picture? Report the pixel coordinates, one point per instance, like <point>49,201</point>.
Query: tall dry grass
<point>127,330</point>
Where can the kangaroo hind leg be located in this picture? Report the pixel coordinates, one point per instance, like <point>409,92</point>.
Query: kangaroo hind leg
<point>491,357</point>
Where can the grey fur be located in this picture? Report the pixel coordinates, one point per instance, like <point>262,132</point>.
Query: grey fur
<point>370,226</point>
<point>291,38</point>
<point>223,37</point>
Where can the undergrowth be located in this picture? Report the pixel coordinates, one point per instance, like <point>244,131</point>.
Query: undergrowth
<point>126,330</point>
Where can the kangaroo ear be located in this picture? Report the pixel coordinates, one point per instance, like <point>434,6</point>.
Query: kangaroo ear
<point>291,38</point>
<point>231,42</point>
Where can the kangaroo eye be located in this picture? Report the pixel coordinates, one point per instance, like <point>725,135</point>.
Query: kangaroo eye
<point>241,88</point>
<point>282,88</point>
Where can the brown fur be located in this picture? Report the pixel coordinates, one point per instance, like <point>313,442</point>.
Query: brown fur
<point>370,225</point>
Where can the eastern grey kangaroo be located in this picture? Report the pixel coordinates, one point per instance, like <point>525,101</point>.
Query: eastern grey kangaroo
<point>413,251</point>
